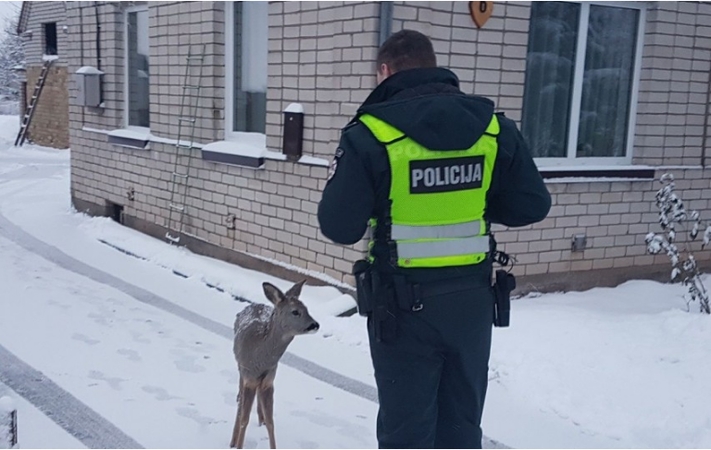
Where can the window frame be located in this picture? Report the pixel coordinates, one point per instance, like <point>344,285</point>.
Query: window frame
<point>577,91</point>
<point>126,87</point>
<point>230,134</point>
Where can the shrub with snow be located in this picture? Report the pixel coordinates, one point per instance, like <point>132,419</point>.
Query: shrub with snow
<point>12,56</point>
<point>8,430</point>
<point>672,213</point>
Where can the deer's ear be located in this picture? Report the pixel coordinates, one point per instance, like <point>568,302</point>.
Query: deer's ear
<point>273,293</point>
<point>295,290</point>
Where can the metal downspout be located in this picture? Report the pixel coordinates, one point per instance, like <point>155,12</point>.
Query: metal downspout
<point>386,21</point>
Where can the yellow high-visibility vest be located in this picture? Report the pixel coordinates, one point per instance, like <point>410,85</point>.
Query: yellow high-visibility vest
<point>437,198</point>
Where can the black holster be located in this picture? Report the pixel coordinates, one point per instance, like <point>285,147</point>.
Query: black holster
<point>374,298</point>
<point>504,285</point>
<point>363,272</point>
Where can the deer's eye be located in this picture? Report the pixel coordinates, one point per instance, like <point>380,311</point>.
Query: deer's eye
<point>296,313</point>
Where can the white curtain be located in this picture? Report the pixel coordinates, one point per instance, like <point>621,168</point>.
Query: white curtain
<point>607,82</point>
<point>607,79</point>
<point>550,67</point>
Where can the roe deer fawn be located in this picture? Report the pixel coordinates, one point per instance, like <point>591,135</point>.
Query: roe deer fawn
<point>262,334</point>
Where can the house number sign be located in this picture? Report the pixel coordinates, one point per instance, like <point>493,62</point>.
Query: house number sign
<point>480,12</point>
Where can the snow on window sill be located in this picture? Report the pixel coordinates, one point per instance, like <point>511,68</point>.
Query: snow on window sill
<point>313,161</point>
<point>245,148</point>
<point>50,57</point>
<point>131,137</point>
<point>596,173</point>
<point>247,153</point>
<point>249,149</point>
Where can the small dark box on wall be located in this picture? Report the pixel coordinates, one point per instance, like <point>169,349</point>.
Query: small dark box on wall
<point>293,131</point>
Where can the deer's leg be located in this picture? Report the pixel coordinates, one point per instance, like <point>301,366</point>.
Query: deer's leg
<point>266,401</point>
<point>235,430</point>
<point>244,407</point>
<point>260,413</point>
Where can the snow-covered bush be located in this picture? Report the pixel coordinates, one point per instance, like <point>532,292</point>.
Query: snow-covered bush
<point>12,56</point>
<point>8,423</point>
<point>671,214</point>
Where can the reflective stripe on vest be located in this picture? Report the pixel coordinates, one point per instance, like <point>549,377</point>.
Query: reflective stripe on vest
<point>473,228</point>
<point>438,198</point>
<point>455,247</point>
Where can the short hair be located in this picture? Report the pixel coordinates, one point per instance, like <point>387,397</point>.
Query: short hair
<point>407,49</point>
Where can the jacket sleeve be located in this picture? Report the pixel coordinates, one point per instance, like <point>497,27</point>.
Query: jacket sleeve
<point>518,195</point>
<point>349,196</point>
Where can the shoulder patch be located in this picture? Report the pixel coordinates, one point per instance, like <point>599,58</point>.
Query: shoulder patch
<point>334,164</point>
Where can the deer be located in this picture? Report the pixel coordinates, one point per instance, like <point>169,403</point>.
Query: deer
<point>262,335</point>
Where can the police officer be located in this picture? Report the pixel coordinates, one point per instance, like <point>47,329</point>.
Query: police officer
<point>429,168</point>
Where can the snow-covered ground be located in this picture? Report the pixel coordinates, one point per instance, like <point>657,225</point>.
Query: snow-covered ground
<point>146,354</point>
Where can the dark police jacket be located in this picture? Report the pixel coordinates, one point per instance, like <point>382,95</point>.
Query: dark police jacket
<point>426,105</point>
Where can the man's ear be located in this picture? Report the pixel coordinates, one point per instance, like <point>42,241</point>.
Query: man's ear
<point>383,72</point>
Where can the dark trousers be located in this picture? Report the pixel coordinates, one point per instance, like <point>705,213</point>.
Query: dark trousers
<point>432,375</point>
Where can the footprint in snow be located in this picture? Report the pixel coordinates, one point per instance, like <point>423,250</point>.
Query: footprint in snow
<point>113,382</point>
<point>159,393</point>
<point>187,363</point>
<point>130,354</point>
<point>194,414</point>
<point>85,339</point>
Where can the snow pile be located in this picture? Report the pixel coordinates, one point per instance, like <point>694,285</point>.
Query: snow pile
<point>624,367</point>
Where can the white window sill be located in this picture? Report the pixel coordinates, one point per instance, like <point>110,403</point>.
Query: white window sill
<point>233,146</point>
<point>50,57</point>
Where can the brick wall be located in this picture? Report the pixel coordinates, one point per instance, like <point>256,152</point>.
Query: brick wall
<point>321,56</point>
<point>674,85</point>
<point>39,14</point>
<point>275,207</point>
<point>50,123</point>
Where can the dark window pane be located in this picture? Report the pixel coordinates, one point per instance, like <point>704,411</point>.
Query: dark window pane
<point>550,67</point>
<point>607,82</point>
<point>50,38</point>
<point>138,73</point>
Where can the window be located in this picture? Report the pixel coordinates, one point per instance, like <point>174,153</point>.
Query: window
<point>247,31</point>
<point>137,68</point>
<point>50,39</point>
<point>581,80</point>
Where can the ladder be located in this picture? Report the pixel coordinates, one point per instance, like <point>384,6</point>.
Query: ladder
<point>30,112</point>
<point>180,175</point>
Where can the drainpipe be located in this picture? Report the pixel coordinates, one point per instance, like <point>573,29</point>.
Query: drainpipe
<point>81,51</point>
<point>98,52</point>
<point>706,139</point>
<point>386,21</point>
